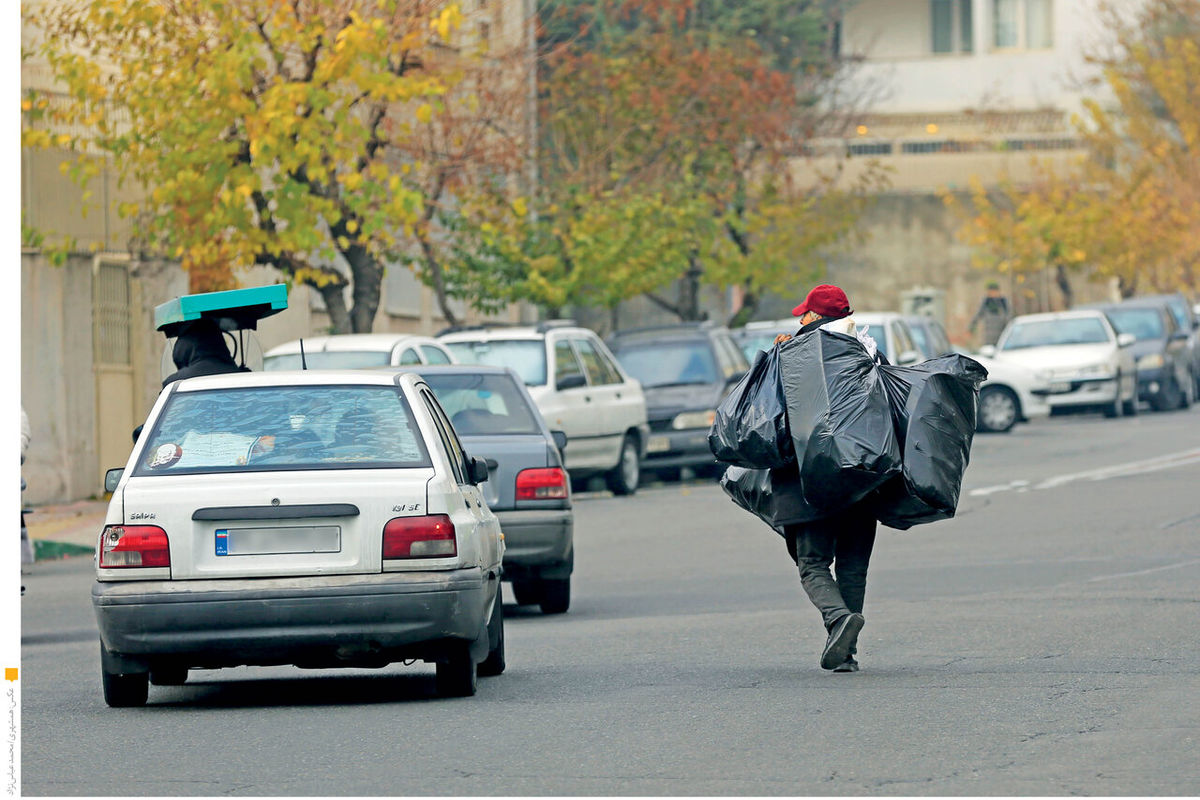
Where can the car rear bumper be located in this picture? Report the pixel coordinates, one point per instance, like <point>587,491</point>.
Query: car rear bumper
<point>339,620</point>
<point>538,541</point>
<point>684,448</point>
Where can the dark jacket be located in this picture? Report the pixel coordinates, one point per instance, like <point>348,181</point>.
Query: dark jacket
<point>199,351</point>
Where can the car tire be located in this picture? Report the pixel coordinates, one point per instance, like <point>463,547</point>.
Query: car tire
<point>527,593</point>
<point>623,478</point>
<point>125,691</point>
<point>556,596</point>
<point>999,409</point>
<point>1130,407</point>
<point>458,676</point>
<point>1113,410</point>
<point>494,663</point>
<point>169,675</point>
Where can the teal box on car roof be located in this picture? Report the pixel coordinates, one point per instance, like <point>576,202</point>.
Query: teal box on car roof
<point>235,309</point>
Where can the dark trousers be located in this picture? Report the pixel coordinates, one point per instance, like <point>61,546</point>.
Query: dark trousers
<point>843,542</point>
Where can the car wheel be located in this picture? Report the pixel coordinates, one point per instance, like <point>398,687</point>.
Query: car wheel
<point>998,409</point>
<point>494,663</point>
<point>457,676</point>
<point>556,596</point>
<point>623,478</point>
<point>125,691</point>
<point>1113,409</point>
<point>1130,407</point>
<point>528,593</point>
<point>168,675</point>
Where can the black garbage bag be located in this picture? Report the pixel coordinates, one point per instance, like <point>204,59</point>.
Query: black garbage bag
<point>934,404</point>
<point>751,428</point>
<point>840,421</point>
<point>773,495</point>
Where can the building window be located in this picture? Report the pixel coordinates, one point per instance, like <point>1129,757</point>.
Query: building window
<point>1023,24</point>
<point>952,26</point>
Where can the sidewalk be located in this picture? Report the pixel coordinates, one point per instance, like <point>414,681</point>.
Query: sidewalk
<point>67,529</point>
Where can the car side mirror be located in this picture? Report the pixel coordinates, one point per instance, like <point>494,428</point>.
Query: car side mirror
<point>571,382</point>
<point>1180,336</point>
<point>988,351</point>
<point>1125,339</point>
<point>560,440</point>
<point>112,478</point>
<point>908,357</point>
<point>479,471</point>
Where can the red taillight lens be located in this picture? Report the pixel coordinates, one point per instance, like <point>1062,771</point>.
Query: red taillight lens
<point>542,484</point>
<point>419,537</point>
<point>134,546</point>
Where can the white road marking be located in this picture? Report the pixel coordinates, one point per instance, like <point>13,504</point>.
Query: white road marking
<point>1144,571</point>
<point>1169,461</point>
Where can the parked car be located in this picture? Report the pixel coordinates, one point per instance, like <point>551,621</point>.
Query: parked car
<point>579,388</point>
<point>1187,321</point>
<point>1087,362</point>
<point>1160,353</point>
<point>889,330</point>
<point>1011,393</point>
<point>527,487</point>
<point>685,370</point>
<point>357,350</point>
<point>319,518</point>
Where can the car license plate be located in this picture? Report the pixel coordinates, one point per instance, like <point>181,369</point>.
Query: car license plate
<point>658,444</point>
<point>278,541</point>
<point>1059,388</point>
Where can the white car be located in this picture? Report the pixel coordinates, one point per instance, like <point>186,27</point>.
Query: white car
<point>320,518</point>
<point>357,350</point>
<point>889,330</point>
<point>1087,363</point>
<point>580,389</point>
<point>1011,394</point>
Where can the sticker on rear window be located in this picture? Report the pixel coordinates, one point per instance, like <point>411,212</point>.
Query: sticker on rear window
<point>164,456</point>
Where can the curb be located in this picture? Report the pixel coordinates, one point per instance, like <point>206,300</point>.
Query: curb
<point>44,550</point>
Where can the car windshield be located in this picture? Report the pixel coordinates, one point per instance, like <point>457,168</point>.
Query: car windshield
<point>921,340</point>
<point>339,359</point>
<point>484,404</point>
<point>283,428</point>
<point>752,342</point>
<point>1144,323</point>
<point>1056,332</point>
<point>526,356</point>
<point>675,363</point>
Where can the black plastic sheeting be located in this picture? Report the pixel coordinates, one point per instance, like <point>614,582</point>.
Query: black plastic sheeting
<point>773,495</point>
<point>751,427</point>
<point>934,406</point>
<point>840,418</point>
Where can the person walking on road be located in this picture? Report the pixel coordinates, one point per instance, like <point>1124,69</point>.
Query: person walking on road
<point>993,313</point>
<point>843,540</point>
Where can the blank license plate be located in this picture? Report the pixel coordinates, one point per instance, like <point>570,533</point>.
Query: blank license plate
<point>278,541</point>
<point>658,444</point>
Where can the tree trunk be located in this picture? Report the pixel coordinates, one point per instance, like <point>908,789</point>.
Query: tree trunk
<point>367,275</point>
<point>746,312</point>
<point>1064,285</point>
<point>434,266</point>
<point>335,305</point>
<point>689,291</point>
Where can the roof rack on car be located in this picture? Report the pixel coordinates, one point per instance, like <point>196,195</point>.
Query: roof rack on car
<point>547,324</point>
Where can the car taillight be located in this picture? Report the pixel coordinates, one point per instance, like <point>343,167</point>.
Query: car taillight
<point>134,546</point>
<point>419,537</point>
<point>542,484</point>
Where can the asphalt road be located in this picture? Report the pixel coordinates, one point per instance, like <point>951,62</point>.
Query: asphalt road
<point>1044,642</point>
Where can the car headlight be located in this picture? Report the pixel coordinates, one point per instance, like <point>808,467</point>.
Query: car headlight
<point>694,419</point>
<point>1101,370</point>
<point>1152,361</point>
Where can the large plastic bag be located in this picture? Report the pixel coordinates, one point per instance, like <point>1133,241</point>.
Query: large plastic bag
<point>838,413</point>
<point>773,495</point>
<point>751,428</point>
<point>934,404</point>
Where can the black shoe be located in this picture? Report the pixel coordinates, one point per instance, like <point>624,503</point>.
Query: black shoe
<point>841,638</point>
<point>849,665</point>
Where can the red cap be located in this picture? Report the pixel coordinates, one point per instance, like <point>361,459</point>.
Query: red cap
<point>826,300</point>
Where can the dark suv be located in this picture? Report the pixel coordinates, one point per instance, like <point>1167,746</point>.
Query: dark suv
<point>685,371</point>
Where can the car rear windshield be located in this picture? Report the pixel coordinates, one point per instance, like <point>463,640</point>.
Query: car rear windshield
<point>1144,323</point>
<point>526,356</point>
<point>1053,333</point>
<point>283,428</point>
<point>484,404</point>
<point>668,363</point>
<point>341,359</point>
